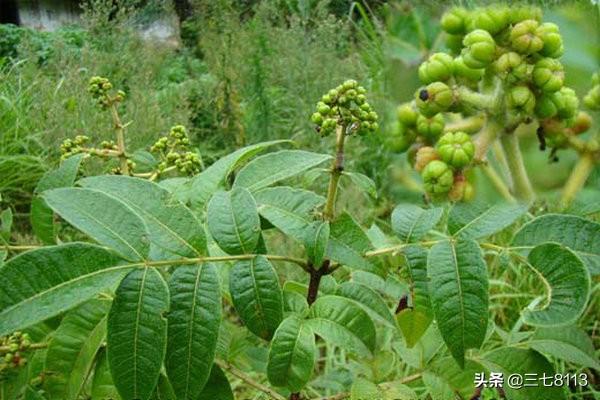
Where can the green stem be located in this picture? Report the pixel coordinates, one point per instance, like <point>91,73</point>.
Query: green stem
<point>120,131</point>
<point>577,179</point>
<point>469,125</point>
<point>522,186</point>
<point>336,172</point>
<point>248,380</point>
<point>485,139</point>
<point>476,100</point>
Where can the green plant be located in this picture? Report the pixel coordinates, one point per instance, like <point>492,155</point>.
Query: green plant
<point>136,311</point>
<point>501,76</point>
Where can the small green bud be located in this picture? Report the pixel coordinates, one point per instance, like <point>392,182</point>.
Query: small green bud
<point>350,84</point>
<point>511,68</point>
<point>323,108</point>
<point>552,40</point>
<point>592,98</point>
<point>326,99</point>
<point>492,19</point>
<point>456,149</point>
<point>569,105</point>
<point>480,49</point>
<point>333,93</point>
<point>454,43</point>
<point>462,71</point>
<point>317,118</point>
<point>430,128</point>
<point>399,138</point>
<point>525,38</point>
<point>360,99</point>
<point>437,68</point>
<point>454,20</point>
<point>407,115</point>
<point>547,105</point>
<point>434,98</point>
<point>548,74</point>
<point>437,177</point>
<point>525,12</point>
<point>521,100</point>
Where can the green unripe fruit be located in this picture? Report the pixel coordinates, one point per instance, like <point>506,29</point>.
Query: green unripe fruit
<point>547,105</point>
<point>437,68</point>
<point>407,115</point>
<point>456,149</point>
<point>511,68</point>
<point>424,156</point>
<point>525,38</point>
<point>399,138</point>
<point>492,19</point>
<point>596,79</point>
<point>430,128</point>
<point>333,93</point>
<point>552,39</point>
<point>582,123</point>
<point>323,108</point>
<point>360,99</point>
<point>548,75</point>
<point>434,98</point>
<point>480,49</point>
<point>454,21</point>
<point>317,118</point>
<point>525,12</point>
<point>521,100</point>
<point>569,105</point>
<point>350,84</point>
<point>437,177</point>
<point>592,98</point>
<point>326,99</point>
<point>454,43</point>
<point>462,71</point>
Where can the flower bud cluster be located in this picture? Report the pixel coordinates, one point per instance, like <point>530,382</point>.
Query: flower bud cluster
<point>13,347</point>
<point>592,98</point>
<point>345,106</point>
<point>100,88</point>
<point>74,146</point>
<point>174,152</point>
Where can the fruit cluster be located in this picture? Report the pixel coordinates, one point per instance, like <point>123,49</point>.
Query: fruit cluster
<point>503,64</point>
<point>174,152</point>
<point>12,348</point>
<point>100,89</point>
<point>592,98</point>
<point>346,107</point>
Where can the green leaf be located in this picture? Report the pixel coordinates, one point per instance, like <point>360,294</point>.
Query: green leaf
<point>467,221</point>
<point>103,387</point>
<point>6,222</point>
<point>368,300</point>
<point>271,168</point>
<point>363,389</point>
<point>567,284</point>
<point>292,354</point>
<point>72,350</point>
<point>348,242</point>
<point>32,394</point>
<point>41,216</point>
<point>568,343</point>
<point>233,221</point>
<point>363,182</point>
<point>578,234</point>
<point>290,210</point>
<point>460,380</point>
<point>217,387</point>
<point>193,327</point>
<point>315,242</point>
<point>104,218</point>
<point>45,282</point>
<point>511,360</point>
<point>209,181</point>
<point>437,388</point>
<point>256,295</point>
<point>163,390</point>
<point>137,333</point>
<point>173,228</point>
<point>343,323</point>
<point>411,222</point>
<point>294,302</point>
<point>459,294</point>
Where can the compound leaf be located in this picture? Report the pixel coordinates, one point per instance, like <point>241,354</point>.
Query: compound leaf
<point>104,218</point>
<point>567,283</point>
<point>271,168</point>
<point>411,222</point>
<point>580,235</point>
<point>137,333</point>
<point>173,228</point>
<point>459,294</point>
<point>568,343</point>
<point>292,354</point>
<point>233,221</point>
<point>193,328</point>
<point>256,295</point>
<point>45,282</point>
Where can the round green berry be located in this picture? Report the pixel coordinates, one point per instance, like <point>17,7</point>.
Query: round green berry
<point>511,68</point>
<point>456,149</point>
<point>569,105</point>
<point>548,104</point>
<point>317,118</point>
<point>464,72</point>
<point>399,138</point>
<point>548,74</point>
<point>525,38</point>
<point>434,98</point>
<point>407,115</point>
<point>437,177</point>
<point>592,98</point>
<point>437,68</point>
<point>480,49</point>
<point>492,19</point>
<point>454,43</point>
<point>552,40</point>
<point>454,21</point>
<point>521,100</point>
<point>430,128</point>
